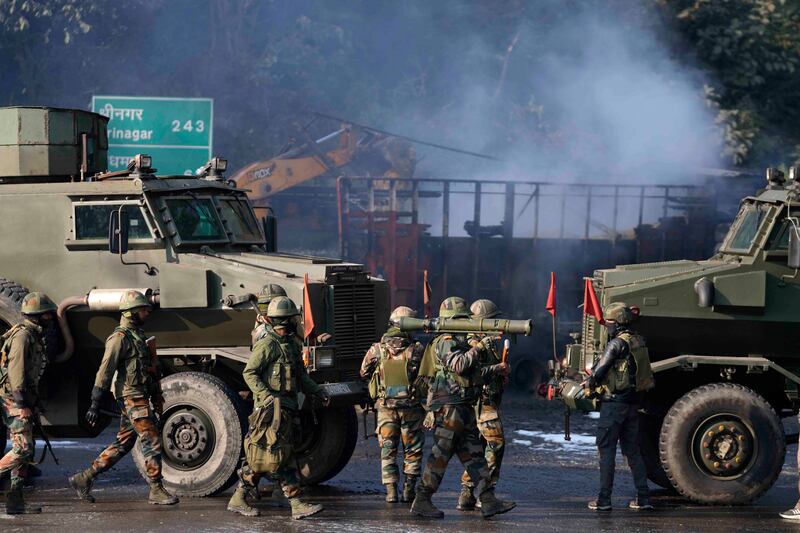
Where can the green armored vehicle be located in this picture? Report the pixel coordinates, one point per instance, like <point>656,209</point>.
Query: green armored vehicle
<point>723,335</point>
<point>194,246</point>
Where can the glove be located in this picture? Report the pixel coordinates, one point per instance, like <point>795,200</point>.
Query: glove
<point>486,343</point>
<point>324,397</point>
<point>322,338</point>
<point>429,420</point>
<point>94,411</point>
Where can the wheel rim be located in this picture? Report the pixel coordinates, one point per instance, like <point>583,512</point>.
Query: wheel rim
<point>188,436</point>
<point>724,446</point>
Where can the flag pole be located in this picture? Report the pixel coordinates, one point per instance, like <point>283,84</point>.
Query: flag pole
<point>551,308</point>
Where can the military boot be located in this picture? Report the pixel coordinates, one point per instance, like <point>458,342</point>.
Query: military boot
<point>491,506</point>
<point>423,506</point>
<point>15,504</point>
<point>301,509</point>
<point>159,495</point>
<point>238,504</point>
<point>82,483</point>
<point>466,501</point>
<point>391,493</point>
<point>408,489</point>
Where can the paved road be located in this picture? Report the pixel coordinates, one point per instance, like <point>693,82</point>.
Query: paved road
<point>551,481</point>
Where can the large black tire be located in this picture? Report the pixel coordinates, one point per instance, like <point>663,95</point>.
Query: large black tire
<point>649,432</point>
<point>328,446</point>
<point>202,431</point>
<point>722,444</point>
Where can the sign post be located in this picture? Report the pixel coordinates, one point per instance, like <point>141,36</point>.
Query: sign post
<point>176,132</point>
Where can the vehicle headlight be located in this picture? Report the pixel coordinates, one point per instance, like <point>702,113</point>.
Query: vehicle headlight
<point>323,357</point>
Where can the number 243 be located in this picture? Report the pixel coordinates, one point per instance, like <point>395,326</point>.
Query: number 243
<point>198,125</point>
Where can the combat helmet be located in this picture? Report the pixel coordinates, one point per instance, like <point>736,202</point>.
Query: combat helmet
<point>453,307</point>
<point>266,294</point>
<point>400,312</point>
<point>37,303</point>
<point>282,307</point>
<point>484,308</point>
<point>619,312</point>
<point>131,300</point>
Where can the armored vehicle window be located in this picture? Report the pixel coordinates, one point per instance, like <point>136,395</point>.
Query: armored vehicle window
<point>745,228</point>
<point>779,241</point>
<point>196,219</point>
<point>240,219</point>
<point>91,221</point>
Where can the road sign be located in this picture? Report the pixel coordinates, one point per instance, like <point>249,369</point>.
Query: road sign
<point>176,132</point>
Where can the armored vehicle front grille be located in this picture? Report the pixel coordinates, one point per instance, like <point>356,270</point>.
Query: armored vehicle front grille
<point>353,319</point>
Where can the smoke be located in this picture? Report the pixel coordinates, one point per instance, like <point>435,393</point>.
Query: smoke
<point>587,94</point>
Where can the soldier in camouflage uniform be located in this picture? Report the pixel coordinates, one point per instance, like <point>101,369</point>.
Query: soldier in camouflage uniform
<point>487,411</point>
<point>392,367</point>
<point>138,393</point>
<point>453,391</point>
<point>276,375</point>
<point>22,363</point>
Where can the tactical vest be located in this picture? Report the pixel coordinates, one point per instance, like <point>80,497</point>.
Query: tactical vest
<point>443,382</point>
<point>139,361</point>
<point>32,349</point>
<point>619,376</point>
<point>390,379</point>
<point>492,388</point>
<point>282,374</point>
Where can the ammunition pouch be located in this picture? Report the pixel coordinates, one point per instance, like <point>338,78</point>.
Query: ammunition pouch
<point>268,444</point>
<point>619,375</point>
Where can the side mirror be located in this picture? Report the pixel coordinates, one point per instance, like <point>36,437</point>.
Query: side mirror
<point>119,225</point>
<point>269,224</point>
<point>793,261</point>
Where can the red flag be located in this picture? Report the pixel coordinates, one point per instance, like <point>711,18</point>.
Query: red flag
<point>427,294</point>
<point>590,304</point>
<point>308,316</point>
<point>551,296</point>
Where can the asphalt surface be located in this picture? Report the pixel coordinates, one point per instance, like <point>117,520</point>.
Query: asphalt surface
<point>550,480</point>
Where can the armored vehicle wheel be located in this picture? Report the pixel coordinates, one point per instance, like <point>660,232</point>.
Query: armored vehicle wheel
<point>722,444</point>
<point>201,435</point>
<point>649,431</point>
<point>327,446</point>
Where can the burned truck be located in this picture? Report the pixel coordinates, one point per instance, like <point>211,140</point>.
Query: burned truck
<point>722,335</point>
<point>194,246</point>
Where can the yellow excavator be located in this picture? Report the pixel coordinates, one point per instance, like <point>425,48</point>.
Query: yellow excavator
<point>364,150</point>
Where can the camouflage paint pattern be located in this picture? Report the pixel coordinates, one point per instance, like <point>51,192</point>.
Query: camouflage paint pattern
<point>394,425</point>
<point>21,453</point>
<point>136,420</point>
<point>490,426</point>
<point>455,432</point>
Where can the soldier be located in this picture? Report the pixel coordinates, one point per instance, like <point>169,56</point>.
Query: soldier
<point>487,411</point>
<point>391,366</point>
<point>265,296</point>
<point>452,393</point>
<point>22,363</point>
<point>276,375</point>
<point>623,373</point>
<point>138,394</point>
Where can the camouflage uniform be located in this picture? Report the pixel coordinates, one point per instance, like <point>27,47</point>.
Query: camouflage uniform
<point>400,414</point>
<point>487,412</point>
<point>451,397</point>
<point>128,356</point>
<point>22,365</point>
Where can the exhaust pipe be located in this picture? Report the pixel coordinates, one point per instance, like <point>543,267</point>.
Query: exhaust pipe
<point>96,300</point>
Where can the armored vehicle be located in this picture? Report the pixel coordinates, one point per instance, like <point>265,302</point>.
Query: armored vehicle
<point>723,337</point>
<point>194,246</point>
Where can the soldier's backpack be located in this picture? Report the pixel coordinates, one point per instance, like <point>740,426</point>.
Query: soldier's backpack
<point>267,446</point>
<point>619,375</point>
<point>6,347</point>
<point>390,379</point>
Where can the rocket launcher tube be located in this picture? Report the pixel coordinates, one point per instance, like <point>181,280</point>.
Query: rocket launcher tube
<point>466,325</point>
